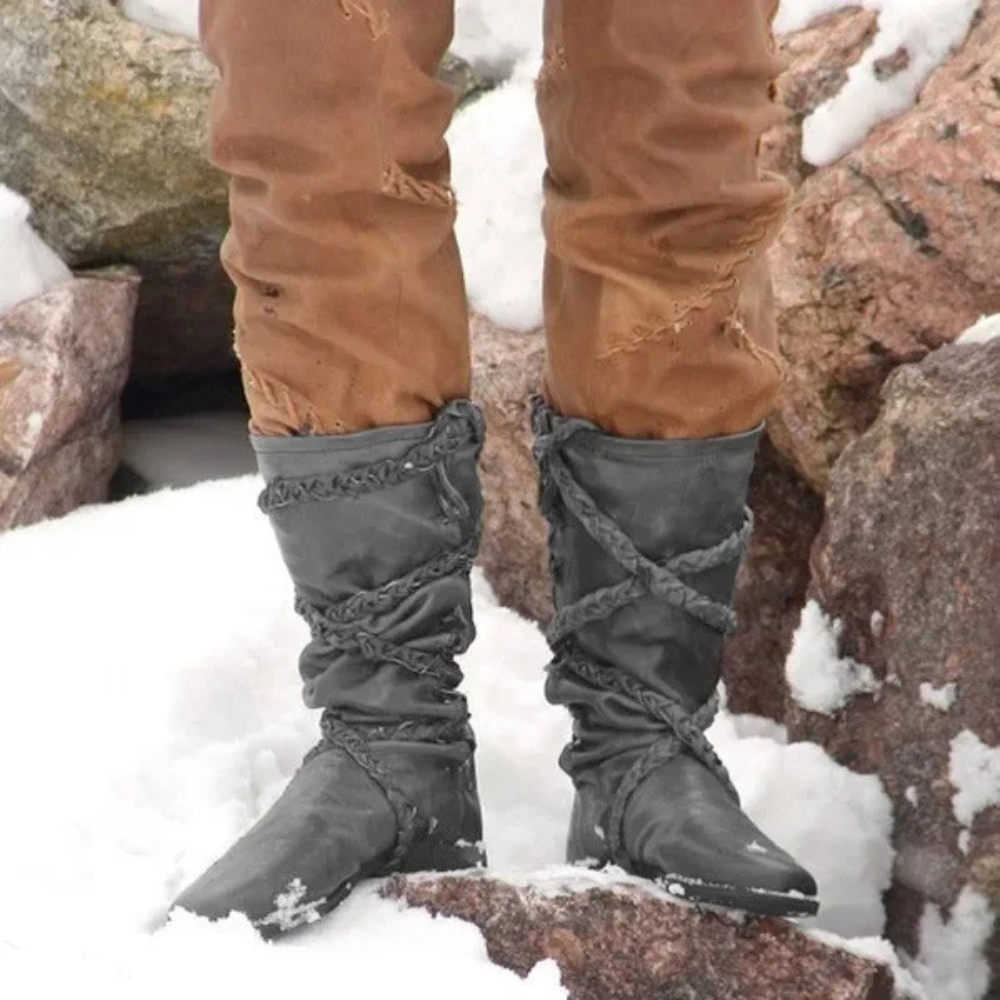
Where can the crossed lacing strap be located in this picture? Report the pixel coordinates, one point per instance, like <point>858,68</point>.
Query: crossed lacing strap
<point>684,730</point>
<point>347,624</point>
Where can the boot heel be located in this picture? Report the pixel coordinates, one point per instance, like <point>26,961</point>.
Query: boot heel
<point>440,854</point>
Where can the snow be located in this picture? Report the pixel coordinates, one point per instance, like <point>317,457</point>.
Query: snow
<point>499,159</point>
<point>952,963</point>
<point>820,679</point>
<point>170,718</point>
<point>974,771</point>
<point>494,37</point>
<point>942,698</point>
<point>178,17</point>
<point>927,30</point>
<point>28,267</point>
<point>877,624</point>
<point>835,822</point>
<point>182,451</point>
<point>982,332</point>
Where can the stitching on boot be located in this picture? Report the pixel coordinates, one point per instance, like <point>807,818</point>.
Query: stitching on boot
<point>745,248</point>
<point>378,20</point>
<point>397,183</point>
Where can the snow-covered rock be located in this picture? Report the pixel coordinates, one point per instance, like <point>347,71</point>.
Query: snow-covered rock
<point>912,39</point>
<point>28,266</point>
<point>819,678</point>
<point>103,123</point>
<point>907,561</point>
<point>890,252</point>
<point>615,937</point>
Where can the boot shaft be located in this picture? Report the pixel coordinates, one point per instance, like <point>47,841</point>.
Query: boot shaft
<point>646,538</point>
<point>379,531</point>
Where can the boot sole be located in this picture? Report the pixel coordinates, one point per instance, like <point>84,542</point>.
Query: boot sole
<point>431,854</point>
<point>760,902</point>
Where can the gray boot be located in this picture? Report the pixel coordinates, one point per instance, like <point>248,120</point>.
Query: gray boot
<point>379,531</point>
<point>646,538</point>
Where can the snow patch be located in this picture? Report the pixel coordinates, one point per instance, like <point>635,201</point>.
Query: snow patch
<point>498,161</point>
<point>952,963</point>
<point>926,31</point>
<point>28,266</point>
<point>836,823</point>
<point>877,624</point>
<point>974,771</point>
<point>759,725</point>
<point>181,451</point>
<point>492,37</point>
<point>912,796</point>
<point>987,328</point>
<point>176,17</point>
<point>942,698</point>
<point>819,678</point>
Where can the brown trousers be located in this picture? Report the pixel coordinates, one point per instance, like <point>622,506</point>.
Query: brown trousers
<point>351,310</point>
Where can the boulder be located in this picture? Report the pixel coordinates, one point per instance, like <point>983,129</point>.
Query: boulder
<point>771,586</point>
<point>908,563</point>
<point>632,943</point>
<point>507,372</point>
<point>104,132</point>
<point>817,59</point>
<point>64,358</point>
<point>103,125</point>
<point>890,252</point>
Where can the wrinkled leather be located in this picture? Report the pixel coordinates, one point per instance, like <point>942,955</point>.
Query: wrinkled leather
<point>670,497</point>
<point>334,824</point>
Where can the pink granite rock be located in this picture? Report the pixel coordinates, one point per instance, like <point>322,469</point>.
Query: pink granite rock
<point>507,371</point>
<point>632,944</point>
<point>908,561</point>
<point>64,358</point>
<point>891,251</point>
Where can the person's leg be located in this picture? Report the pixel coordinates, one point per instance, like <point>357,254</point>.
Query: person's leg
<point>661,368</point>
<point>351,326</point>
<point>657,298</point>
<point>328,117</point>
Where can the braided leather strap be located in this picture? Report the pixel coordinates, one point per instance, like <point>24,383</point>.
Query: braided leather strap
<point>682,731</point>
<point>456,426</point>
<point>350,624</point>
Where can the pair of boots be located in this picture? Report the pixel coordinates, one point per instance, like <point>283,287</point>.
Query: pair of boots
<point>379,530</point>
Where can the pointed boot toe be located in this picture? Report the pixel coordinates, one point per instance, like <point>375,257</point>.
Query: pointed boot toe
<point>684,831</point>
<point>329,829</point>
